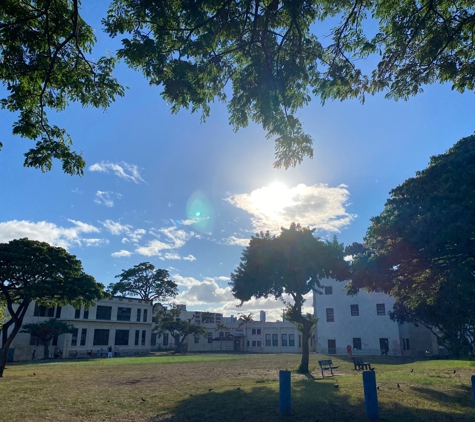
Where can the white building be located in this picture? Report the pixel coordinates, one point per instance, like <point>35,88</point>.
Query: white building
<point>362,322</point>
<point>123,323</point>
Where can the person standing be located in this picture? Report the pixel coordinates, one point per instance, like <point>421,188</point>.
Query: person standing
<point>109,352</point>
<point>33,356</point>
<point>348,350</point>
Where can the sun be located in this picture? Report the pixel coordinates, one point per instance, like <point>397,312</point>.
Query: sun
<point>271,200</point>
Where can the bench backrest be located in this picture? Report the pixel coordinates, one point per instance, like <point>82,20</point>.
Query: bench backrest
<point>325,362</point>
<point>357,359</point>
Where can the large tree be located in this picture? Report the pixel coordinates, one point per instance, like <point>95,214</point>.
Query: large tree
<point>145,281</point>
<point>421,248</point>
<point>168,320</point>
<point>45,331</point>
<point>289,265</point>
<point>264,58</point>
<point>35,271</point>
<point>45,64</point>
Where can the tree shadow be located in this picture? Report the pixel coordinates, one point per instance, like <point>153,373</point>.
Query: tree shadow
<point>312,400</point>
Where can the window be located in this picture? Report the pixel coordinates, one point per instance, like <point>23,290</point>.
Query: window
<point>123,314</point>
<point>221,335</point>
<point>84,335</point>
<point>165,339</point>
<point>145,315</point>
<point>330,315</point>
<point>77,313</point>
<point>86,314</point>
<point>253,332</point>
<point>248,343</point>
<point>259,343</point>
<point>275,340</point>
<point>356,343</point>
<point>55,340</point>
<point>292,340</point>
<point>380,309</point>
<point>258,331</point>
<point>74,339</point>
<point>121,338</point>
<point>101,337</point>
<point>144,333</point>
<point>328,290</point>
<point>210,337</point>
<point>197,339</point>
<point>355,310</point>
<point>268,340</point>
<point>137,337</point>
<point>153,339</point>
<point>253,343</point>
<point>43,311</point>
<point>284,339</point>
<point>139,314</point>
<point>104,312</point>
<point>34,341</point>
<point>332,347</point>
<point>58,312</point>
<point>405,344</point>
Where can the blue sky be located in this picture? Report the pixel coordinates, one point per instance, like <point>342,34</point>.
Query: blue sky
<point>187,196</point>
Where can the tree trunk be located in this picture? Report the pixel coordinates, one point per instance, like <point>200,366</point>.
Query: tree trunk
<point>46,349</point>
<point>303,369</point>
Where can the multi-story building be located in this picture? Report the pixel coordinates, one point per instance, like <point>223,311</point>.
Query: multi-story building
<point>120,322</point>
<point>362,322</point>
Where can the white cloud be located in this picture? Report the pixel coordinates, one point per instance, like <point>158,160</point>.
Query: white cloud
<point>106,198</point>
<point>171,255</point>
<point>170,238</point>
<point>136,235</point>
<point>116,228</point>
<point>235,241</point>
<point>184,281</point>
<point>121,254</point>
<point>47,232</point>
<point>129,172</point>
<point>189,258</point>
<point>222,278</point>
<point>275,206</point>
<point>95,242</point>
<point>205,292</point>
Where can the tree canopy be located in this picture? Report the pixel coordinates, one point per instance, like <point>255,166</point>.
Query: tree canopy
<point>35,271</point>
<point>168,320</point>
<point>45,331</point>
<point>146,282</point>
<point>292,263</point>
<point>264,58</point>
<point>421,248</point>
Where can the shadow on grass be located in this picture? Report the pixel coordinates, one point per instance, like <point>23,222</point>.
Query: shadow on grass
<point>312,401</point>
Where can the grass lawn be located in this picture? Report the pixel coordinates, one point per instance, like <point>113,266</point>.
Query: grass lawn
<point>230,388</point>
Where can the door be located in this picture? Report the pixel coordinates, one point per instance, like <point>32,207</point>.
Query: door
<point>332,347</point>
<point>237,345</point>
<point>384,346</point>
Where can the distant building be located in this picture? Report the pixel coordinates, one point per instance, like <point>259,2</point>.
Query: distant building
<point>362,322</point>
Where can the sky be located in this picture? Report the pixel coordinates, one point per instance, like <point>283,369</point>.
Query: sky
<point>187,196</point>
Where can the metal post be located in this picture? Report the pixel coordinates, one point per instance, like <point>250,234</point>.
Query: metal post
<point>284,392</point>
<point>473,388</point>
<point>370,395</point>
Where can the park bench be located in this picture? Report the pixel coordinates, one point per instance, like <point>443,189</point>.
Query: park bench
<point>327,365</point>
<point>359,364</point>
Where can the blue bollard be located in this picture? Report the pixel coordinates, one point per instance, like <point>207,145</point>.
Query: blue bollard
<point>473,388</point>
<point>284,392</point>
<point>370,395</point>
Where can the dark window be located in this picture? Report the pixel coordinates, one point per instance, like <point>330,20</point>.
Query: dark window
<point>268,340</point>
<point>165,339</point>
<point>101,337</point>
<point>284,339</point>
<point>86,314</point>
<point>197,339</point>
<point>38,310</point>
<point>328,290</point>
<point>55,340</point>
<point>248,343</point>
<point>58,312</point>
<point>259,343</point>
<point>275,340</point>
<point>355,310</point>
<point>145,315</point>
<point>74,339</point>
<point>380,309</point>
<point>144,333</point>
<point>104,312</point>
<point>253,331</point>
<point>139,314</point>
<point>84,335</point>
<point>253,343</point>
<point>332,347</point>
<point>357,343</point>
<point>121,338</point>
<point>221,335</point>
<point>137,337</point>
<point>51,312</point>
<point>330,315</point>
<point>123,314</point>
<point>153,339</point>
<point>259,331</point>
<point>77,313</point>
<point>34,341</point>
<point>291,339</point>
<point>210,337</point>
<point>405,344</point>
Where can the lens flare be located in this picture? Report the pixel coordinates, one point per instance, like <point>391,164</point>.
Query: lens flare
<point>200,211</point>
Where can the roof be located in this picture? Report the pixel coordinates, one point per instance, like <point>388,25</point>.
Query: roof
<point>238,334</point>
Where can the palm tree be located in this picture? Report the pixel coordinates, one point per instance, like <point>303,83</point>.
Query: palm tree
<point>244,320</point>
<point>219,327</point>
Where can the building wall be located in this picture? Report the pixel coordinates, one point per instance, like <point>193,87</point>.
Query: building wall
<point>87,322</point>
<point>368,325</point>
